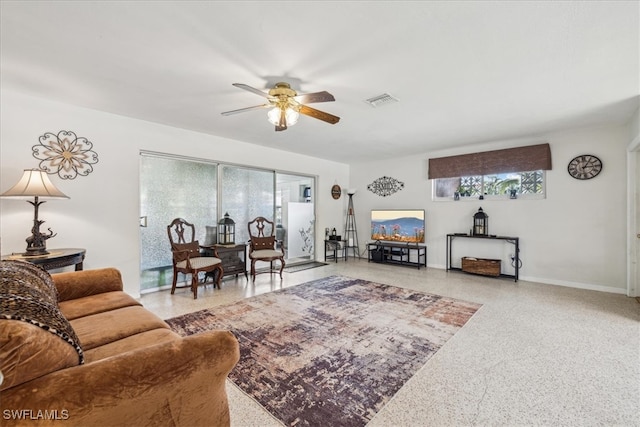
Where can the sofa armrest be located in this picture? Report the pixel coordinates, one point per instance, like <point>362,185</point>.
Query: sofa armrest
<point>178,383</point>
<point>78,284</point>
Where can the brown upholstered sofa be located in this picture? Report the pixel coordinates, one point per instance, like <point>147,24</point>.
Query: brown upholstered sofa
<point>117,364</point>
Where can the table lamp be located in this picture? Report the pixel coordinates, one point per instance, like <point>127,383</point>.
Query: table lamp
<point>35,183</point>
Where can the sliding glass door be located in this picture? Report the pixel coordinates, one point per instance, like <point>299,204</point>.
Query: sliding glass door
<point>246,194</point>
<point>172,188</point>
<point>202,192</point>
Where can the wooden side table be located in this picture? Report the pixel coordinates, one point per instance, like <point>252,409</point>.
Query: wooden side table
<point>56,258</point>
<point>234,258</point>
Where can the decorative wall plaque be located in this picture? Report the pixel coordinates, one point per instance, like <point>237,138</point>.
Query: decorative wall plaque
<point>336,191</point>
<point>385,186</point>
<point>65,154</point>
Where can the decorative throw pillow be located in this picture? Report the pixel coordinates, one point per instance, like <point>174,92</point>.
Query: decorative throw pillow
<point>182,251</point>
<point>28,352</point>
<point>260,243</point>
<point>28,295</point>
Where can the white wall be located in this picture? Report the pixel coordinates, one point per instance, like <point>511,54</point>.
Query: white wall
<point>633,206</point>
<point>576,236</point>
<point>634,129</point>
<point>102,212</point>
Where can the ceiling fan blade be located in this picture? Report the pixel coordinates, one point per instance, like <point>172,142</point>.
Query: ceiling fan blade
<point>309,98</point>
<point>252,89</point>
<point>242,110</point>
<point>320,115</point>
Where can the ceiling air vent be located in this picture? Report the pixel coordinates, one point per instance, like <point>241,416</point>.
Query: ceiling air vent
<point>379,100</point>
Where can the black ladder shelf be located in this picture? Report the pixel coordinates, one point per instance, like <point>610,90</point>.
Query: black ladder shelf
<point>350,231</point>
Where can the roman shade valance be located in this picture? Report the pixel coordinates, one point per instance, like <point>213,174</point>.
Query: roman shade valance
<point>519,159</point>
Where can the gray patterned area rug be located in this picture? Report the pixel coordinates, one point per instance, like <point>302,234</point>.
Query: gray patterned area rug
<point>334,351</point>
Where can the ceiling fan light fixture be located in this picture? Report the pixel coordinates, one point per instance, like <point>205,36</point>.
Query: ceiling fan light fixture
<point>291,116</point>
<point>285,105</point>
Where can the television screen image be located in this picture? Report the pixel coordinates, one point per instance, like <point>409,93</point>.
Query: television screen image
<point>398,225</point>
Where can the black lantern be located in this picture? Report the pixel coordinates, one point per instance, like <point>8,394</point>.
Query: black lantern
<point>480,223</point>
<point>226,231</point>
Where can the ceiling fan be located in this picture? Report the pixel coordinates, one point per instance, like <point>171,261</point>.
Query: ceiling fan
<point>286,105</point>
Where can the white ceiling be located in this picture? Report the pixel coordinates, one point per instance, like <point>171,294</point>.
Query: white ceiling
<point>464,72</point>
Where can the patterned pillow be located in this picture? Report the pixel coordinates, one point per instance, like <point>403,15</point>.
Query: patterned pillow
<point>33,278</point>
<point>260,243</point>
<point>182,251</point>
<point>28,295</point>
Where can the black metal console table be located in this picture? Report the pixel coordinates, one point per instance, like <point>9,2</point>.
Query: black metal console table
<point>513,240</point>
<point>335,249</point>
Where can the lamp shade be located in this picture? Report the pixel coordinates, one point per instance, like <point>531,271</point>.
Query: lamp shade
<point>34,183</point>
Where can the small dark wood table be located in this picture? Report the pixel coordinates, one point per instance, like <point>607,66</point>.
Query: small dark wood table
<point>56,258</point>
<point>234,258</point>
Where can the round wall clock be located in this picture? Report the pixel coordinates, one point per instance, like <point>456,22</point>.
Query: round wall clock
<point>584,166</point>
<point>336,191</point>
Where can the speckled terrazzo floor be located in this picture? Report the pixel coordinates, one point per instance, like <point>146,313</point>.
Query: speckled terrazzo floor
<point>534,354</point>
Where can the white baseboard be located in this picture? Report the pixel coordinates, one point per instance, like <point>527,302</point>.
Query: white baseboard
<point>578,285</point>
<point>566,283</point>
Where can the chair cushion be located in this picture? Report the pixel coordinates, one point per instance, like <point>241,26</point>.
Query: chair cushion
<point>94,304</point>
<point>200,262</point>
<point>130,343</point>
<point>103,328</point>
<point>266,253</point>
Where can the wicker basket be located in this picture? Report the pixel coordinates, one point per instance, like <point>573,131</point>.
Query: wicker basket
<point>483,266</point>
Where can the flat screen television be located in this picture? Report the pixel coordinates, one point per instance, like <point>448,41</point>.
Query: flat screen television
<point>398,225</point>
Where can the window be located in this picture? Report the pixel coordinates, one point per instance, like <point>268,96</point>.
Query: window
<point>498,185</point>
<point>494,174</point>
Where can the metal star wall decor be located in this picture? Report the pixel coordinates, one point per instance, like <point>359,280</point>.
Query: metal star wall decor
<point>385,186</point>
<point>65,154</point>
